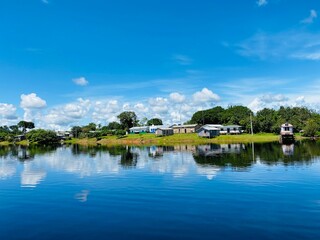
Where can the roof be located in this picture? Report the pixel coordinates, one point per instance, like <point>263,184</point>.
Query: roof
<point>185,126</point>
<point>164,128</point>
<point>213,125</point>
<point>286,125</point>
<point>138,128</point>
<point>232,126</point>
<point>210,128</point>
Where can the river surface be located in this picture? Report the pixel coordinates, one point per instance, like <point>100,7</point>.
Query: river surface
<point>236,191</point>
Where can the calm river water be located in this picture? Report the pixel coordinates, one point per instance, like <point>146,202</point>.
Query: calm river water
<point>236,191</point>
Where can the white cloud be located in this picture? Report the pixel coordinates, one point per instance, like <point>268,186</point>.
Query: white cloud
<point>8,111</point>
<point>32,101</point>
<point>80,81</point>
<point>159,105</point>
<point>45,1</point>
<point>140,107</point>
<point>67,114</point>
<point>177,97</point>
<point>313,15</point>
<point>182,59</point>
<point>205,95</point>
<point>261,3</point>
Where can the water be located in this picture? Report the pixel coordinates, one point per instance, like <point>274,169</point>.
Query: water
<point>237,191</point>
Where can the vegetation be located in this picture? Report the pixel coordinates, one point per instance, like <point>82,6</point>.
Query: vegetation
<point>154,121</point>
<point>41,136</point>
<point>128,119</point>
<point>265,121</point>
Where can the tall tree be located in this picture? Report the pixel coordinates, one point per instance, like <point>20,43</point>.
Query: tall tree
<point>128,119</point>
<point>213,116</point>
<point>76,131</point>
<point>154,121</point>
<point>25,125</point>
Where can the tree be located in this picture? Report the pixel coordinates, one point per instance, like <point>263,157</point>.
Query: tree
<point>113,126</point>
<point>239,115</point>
<point>154,121</point>
<point>213,116</point>
<point>76,130</point>
<point>267,120</point>
<point>25,125</point>
<point>128,119</point>
<point>311,129</point>
<point>42,136</point>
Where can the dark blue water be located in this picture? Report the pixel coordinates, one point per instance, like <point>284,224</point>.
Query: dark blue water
<point>261,191</point>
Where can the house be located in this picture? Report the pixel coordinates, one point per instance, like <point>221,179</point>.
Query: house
<point>231,129</point>
<point>19,138</point>
<point>137,130</point>
<point>153,128</point>
<point>208,131</point>
<point>164,131</point>
<point>190,128</point>
<point>286,133</point>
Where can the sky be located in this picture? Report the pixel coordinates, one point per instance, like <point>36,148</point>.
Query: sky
<point>65,63</point>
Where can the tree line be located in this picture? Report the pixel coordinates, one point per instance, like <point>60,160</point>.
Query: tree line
<point>264,121</point>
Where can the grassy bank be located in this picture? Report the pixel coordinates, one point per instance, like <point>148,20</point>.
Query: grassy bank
<point>151,139</point>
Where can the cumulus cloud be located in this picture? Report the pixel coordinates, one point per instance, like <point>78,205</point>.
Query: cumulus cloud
<point>159,105</point>
<point>275,101</point>
<point>67,114</point>
<point>32,101</point>
<point>177,97</point>
<point>261,3</point>
<point>313,15</point>
<point>80,81</point>
<point>7,111</point>
<point>205,95</point>
<point>140,107</point>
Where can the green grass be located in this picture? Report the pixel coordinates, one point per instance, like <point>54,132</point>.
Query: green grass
<point>191,138</point>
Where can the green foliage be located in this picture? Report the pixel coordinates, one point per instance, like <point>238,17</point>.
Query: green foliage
<point>311,129</point>
<point>213,115</point>
<point>113,126</point>
<point>128,119</point>
<point>76,131</point>
<point>154,121</point>
<point>42,136</point>
<point>25,125</point>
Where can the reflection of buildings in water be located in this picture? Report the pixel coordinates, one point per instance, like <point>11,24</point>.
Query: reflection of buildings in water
<point>216,149</point>
<point>158,151</point>
<point>187,148</point>
<point>288,150</point>
<point>31,177</point>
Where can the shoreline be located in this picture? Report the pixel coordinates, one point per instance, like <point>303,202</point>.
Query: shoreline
<point>151,139</point>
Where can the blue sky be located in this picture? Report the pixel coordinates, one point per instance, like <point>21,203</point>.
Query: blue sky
<point>64,62</point>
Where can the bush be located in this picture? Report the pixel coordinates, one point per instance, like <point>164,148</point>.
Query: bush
<point>41,136</point>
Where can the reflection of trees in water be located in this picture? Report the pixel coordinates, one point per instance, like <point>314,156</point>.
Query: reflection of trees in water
<point>24,153</point>
<point>128,158</point>
<point>304,152</point>
<point>232,155</point>
<point>268,153</point>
